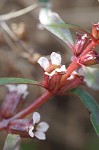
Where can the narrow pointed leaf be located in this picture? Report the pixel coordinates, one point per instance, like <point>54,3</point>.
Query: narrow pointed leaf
<point>43,1</point>
<point>12,142</point>
<point>47,17</point>
<point>91,105</point>
<point>70,26</point>
<point>4,81</point>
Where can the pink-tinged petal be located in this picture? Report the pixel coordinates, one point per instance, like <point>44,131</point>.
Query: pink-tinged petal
<point>21,88</point>
<point>31,131</point>
<point>11,88</point>
<point>36,117</point>
<point>55,58</point>
<point>40,135</point>
<point>44,63</point>
<point>42,126</point>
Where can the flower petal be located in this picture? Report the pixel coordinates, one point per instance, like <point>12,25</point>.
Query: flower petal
<point>11,88</point>
<point>31,131</point>
<point>50,74</point>
<point>62,69</point>
<point>36,117</point>
<point>40,135</point>
<point>44,63</point>
<point>42,126</point>
<point>21,88</point>
<point>55,58</point>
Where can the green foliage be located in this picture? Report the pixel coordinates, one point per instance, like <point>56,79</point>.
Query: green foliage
<point>91,105</point>
<point>4,81</point>
<point>49,18</point>
<point>12,142</point>
<point>44,1</point>
<point>65,26</point>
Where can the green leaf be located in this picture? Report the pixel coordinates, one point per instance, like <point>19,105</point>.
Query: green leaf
<point>47,18</point>
<point>71,26</point>
<point>43,1</point>
<point>4,81</point>
<point>12,142</point>
<point>91,105</point>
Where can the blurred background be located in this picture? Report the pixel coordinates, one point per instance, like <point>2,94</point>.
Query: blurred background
<point>22,43</point>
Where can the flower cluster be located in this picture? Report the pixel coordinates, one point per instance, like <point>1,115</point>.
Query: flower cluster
<point>53,72</point>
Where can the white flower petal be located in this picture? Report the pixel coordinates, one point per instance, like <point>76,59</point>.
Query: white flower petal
<point>31,131</point>
<point>36,117</point>
<point>40,135</point>
<point>62,69</point>
<point>71,77</point>
<point>42,126</point>
<point>25,94</point>
<point>55,58</point>
<point>50,74</point>
<point>11,88</point>
<point>21,88</point>
<point>44,63</point>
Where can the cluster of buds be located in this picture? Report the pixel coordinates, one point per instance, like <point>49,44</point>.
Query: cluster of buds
<point>29,127</point>
<point>90,58</point>
<point>14,100</point>
<point>82,41</point>
<point>53,72</point>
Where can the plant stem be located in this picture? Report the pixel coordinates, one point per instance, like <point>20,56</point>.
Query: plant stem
<point>35,105</point>
<point>88,48</point>
<point>73,66</point>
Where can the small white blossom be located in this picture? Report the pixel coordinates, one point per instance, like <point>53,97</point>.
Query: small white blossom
<point>55,60</point>
<point>39,128</point>
<point>21,89</point>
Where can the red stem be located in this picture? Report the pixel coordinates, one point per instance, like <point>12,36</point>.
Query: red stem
<point>73,66</point>
<point>35,105</point>
<point>88,48</point>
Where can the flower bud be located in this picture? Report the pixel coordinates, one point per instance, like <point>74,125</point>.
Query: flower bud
<point>19,126</point>
<point>14,100</point>
<point>91,58</point>
<point>53,83</point>
<point>95,30</point>
<point>81,43</point>
<point>72,82</point>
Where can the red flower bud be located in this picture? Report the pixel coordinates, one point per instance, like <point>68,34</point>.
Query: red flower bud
<point>95,30</point>
<point>81,43</point>
<point>91,58</point>
<point>71,84</point>
<point>52,83</point>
